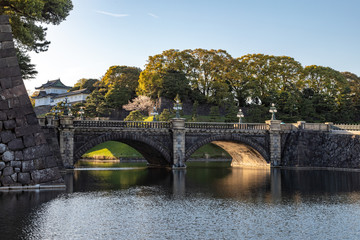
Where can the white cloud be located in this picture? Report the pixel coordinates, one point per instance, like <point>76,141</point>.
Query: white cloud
<point>153,15</point>
<point>113,14</point>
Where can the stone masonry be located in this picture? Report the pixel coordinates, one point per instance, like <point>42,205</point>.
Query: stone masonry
<point>25,156</point>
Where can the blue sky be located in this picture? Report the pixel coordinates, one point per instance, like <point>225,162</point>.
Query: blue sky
<point>100,33</point>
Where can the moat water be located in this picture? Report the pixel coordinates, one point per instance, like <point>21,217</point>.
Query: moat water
<point>207,201</point>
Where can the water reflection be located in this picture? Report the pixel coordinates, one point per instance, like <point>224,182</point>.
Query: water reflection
<point>207,200</point>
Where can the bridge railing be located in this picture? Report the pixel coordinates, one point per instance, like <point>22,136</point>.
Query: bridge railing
<point>345,127</point>
<point>245,126</point>
<point>120,124</point>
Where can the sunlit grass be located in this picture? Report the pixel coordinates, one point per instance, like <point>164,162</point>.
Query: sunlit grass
<point>112,150</point>
<point>117,150</point>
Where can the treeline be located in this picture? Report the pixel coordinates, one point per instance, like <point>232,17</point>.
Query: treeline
<point>252,82</point>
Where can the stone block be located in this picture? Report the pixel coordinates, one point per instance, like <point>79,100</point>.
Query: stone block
<point>8,171</point>
<point>11,113</point>
<point>19,90</point>
<point>16,164</point>
<point>7,52</point>
<point>19,156</point>
<point>31,119</point>
<point>20,121</point>
<point>7,136</point>
<point>3,116</point>
<point>29,140</point>
<point>2,165</point>
<point>11,61</point>
<point>36,152</point>
<point>7,181</point>
<point>24,178</point>
<point>10,71</point>
<point>3,148</point>
<point>45,175</point>
<point>40,138</point>
<point>26,130</point>
<point>39,163</point>
<point>7,45</point>
<point>16,81</point>
<point>8,156</point>
<point>4,105</point>
<point>16,144</point>
<point>9,124</point>
<point>17,170</point>
<point>50,162</point>
<point>5,28</point>
<point>27,166</point>
<point>14,177</point>
<point>24,99</point>
<point>5,36</point>
<point>3,63</point>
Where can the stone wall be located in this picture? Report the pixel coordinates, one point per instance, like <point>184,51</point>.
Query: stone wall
<point>25,156</point>
<point>321,149</point>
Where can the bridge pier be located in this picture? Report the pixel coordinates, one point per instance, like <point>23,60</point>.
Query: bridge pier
<point>275,142</point>
<point>66,141</point>
<point>178,132</point>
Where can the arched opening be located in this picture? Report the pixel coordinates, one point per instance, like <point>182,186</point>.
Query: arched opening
<point>242,155</point>
<point>151,151</point>
<point>244,151</point>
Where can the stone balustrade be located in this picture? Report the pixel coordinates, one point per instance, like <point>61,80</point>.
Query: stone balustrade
<point>347,127</point>
<point>119,124</point>
<point>207,125</point>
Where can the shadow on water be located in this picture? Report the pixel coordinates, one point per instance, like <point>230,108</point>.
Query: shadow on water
<point>216,179</point>
<point>201,180</point>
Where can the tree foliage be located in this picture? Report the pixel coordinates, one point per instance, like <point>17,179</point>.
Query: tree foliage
<point>254,81</point>
<point>27,19</point>
<point>141,103</point>
<point>85,83</point>
<point>114,90</point>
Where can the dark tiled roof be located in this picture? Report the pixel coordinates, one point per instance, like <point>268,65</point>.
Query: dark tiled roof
<point>42,94</point>
<point>85,91</point>
<point>53,83</point>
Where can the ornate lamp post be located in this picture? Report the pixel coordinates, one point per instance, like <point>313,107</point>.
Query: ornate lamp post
<point>81,112</point>
<point>177,108</point>
<point>154,114</point>
<point>56,112</point>
<point>273,111</point>
<point>66,106</point>
<point>240,115</point>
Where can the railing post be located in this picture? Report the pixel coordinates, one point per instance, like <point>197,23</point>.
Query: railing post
<point>178,132</point>
<point>329,126</point>
<point>66,130</point>
<point>275,142</point>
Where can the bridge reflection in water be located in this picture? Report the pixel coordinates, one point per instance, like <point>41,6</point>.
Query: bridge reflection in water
<point>133,197</point>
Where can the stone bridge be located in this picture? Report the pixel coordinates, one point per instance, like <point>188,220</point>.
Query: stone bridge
<point>170,144</point>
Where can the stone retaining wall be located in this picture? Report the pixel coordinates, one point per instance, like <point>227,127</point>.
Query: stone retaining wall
<point>25,156</point>
<point>321,149</point>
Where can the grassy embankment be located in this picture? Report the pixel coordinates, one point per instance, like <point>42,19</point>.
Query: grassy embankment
<point>117,150</point>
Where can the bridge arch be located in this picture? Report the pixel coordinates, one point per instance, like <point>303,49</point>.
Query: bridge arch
<point>152,151</point>
<point>240,148</point>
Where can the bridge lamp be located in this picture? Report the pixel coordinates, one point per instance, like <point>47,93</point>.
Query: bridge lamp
<point>273,111</point>
<point>240,115</point>
<point>56,112</point>
<point>154,114</point>
<point>177,108</point>
<point>66,106</point>
<point>81,112</point>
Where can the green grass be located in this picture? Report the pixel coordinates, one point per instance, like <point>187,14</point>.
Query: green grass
<point>116,150</point>
<point>112,150</point>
